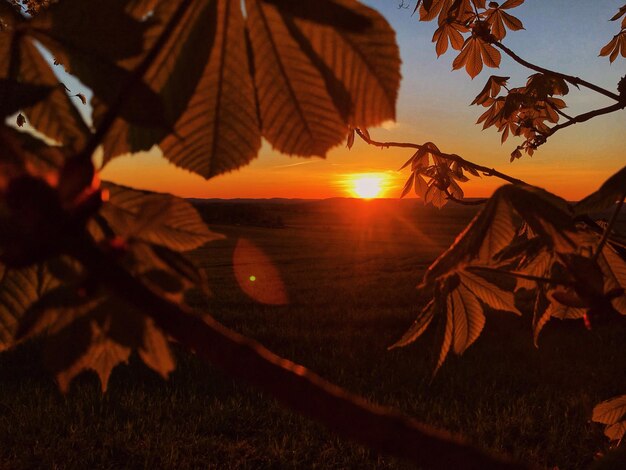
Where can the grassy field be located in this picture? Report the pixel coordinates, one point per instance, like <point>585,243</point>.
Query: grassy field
<point>348,270</point>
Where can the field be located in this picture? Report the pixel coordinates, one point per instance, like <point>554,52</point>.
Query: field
<point>347,270</point>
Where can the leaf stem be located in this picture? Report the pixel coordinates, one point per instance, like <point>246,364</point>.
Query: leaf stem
<point>113,111</point>
<point>573,80</point>
<point>350,415</point>
<point>452,157</point>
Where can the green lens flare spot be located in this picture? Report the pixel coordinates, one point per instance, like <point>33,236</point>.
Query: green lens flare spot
<point>252,278</point>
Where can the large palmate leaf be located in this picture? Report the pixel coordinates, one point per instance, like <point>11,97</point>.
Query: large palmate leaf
<point>219,131</point>
<point>155,218</point>
<point>298,73</point>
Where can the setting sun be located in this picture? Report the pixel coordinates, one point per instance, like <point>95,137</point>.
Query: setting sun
<point>367,187</point>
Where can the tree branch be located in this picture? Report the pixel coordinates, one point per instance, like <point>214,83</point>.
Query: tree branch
<point>573,80</point>
<point>582,118</point>
<point>350,415</point>
<point>452,157</point>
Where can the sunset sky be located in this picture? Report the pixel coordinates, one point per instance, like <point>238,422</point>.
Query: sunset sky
<point>565,35</point>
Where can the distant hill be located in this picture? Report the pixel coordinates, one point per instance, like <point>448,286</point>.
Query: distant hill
<point>281,213</point>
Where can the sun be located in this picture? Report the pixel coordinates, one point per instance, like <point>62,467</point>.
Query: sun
<point>368,186</point>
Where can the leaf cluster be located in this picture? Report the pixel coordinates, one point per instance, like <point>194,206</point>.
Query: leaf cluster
<point>542,244</point>
<point>197,78</point>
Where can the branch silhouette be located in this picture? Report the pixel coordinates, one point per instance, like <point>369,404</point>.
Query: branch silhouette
<point>569,78</point>
<point>486,171</point>
<point>293,385</point>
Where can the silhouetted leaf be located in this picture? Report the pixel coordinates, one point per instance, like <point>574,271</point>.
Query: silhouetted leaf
<point>418,327</point>
<point>178,225</point>
<point>19,288</point>
<point>312,79</point>
<point>17,96</point>
<point>610,411</point>
<point>219,130</point>
<point>489,293</point>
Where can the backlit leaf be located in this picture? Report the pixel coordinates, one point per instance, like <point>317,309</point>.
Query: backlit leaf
<point>489,293</point>
<point>178,227</point>
<point>610,411</point>
<point>469,318</point>
<point>309,74</point>
<point>418,327</point>
<point>155,351</point>
<point>19,288</point>
<point>615,432</point>
<point>219,130</point>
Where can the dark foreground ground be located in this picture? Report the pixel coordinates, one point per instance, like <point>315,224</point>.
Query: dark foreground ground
<point>348,270</point>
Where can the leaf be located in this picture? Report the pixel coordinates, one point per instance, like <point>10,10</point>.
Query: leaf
<point>489,293</point>
<point>19,288</point>
<point>219,130</point>
<point>468,316</point>
<point>468,244</point>
<point>421,186</point>
<point>56,117</point>
<point>613,267</point>
<point>448,335</point>
<point>56,309</point>
<point>420,325</point>
<point>615,46</point>
<point>610,411</point>
<point>155,351</point>
<point>615,432</point>
<point>15,96</point>
<point>173,75</point>
<point>179,228</point>
<point>350,141</point>
<point>499,20</point>
<point>500,233</point>
<point>310,76</point>
<point>449,32</point>
<point>476,52</point>
<point>101,356</point>
<point>541,315</point>
<point>537,265</point>
<point>491,90</point>
<point>611,191</point>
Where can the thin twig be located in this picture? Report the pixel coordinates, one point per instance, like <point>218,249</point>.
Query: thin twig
<point>573,80</point>
<point>609,227</point>
<point>114,110</point>
<point>465,202</point>
<point>582,118</point>
<point>453,157</point>
<point>350,415</point>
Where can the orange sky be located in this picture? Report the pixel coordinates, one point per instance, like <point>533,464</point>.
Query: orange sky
<point>433,106</point>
